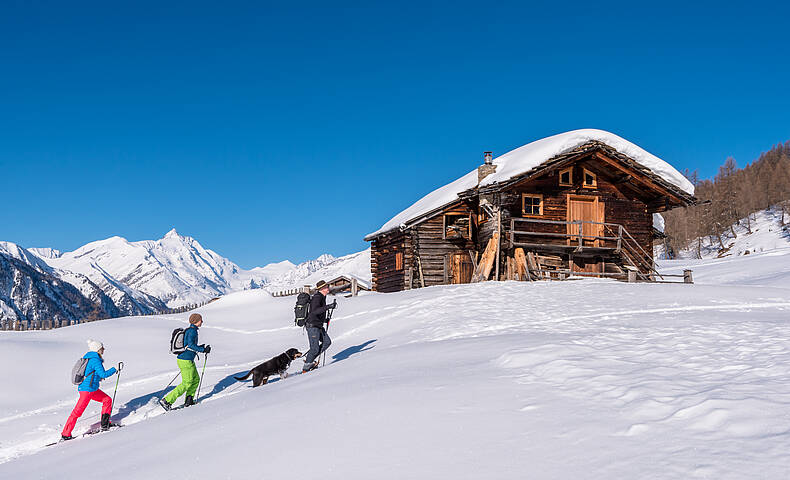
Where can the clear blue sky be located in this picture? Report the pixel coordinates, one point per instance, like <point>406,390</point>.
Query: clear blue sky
<point>282,130</point>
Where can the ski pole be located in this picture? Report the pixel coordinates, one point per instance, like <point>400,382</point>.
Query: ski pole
<point>117,379</point>
<point>205,357</point>
<point>171,381</point>
<point>328,318</point>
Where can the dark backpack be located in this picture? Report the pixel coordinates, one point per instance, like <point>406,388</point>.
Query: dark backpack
<point>78,371</point>
<point>302,309</point>
<point>177,346</point>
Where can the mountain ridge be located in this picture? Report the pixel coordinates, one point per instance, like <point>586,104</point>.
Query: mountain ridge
<point>119,277</point>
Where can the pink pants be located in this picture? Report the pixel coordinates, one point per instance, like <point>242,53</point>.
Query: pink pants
<point>82,404</point>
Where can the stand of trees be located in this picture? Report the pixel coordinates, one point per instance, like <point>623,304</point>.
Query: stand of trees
<point>732,197</point>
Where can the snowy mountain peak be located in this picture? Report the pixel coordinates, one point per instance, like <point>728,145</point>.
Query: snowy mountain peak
<point>172,234</point>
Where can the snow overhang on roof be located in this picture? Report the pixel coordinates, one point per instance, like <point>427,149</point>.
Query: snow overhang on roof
<point>529,157</point>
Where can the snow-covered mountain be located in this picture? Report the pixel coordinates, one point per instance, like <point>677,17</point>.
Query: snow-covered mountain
<point>137,278</point>
<point>175,269</point>
<point>44,300</point>
<point>325,267</point>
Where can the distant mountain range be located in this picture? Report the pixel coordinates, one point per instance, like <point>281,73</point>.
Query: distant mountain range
<point>43,287</point>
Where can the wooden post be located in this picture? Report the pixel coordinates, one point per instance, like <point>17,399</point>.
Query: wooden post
<point>498,241</point>
<point>419,267</point>
<point>631,276</point>
<point>354,287</point>
<point>409,277</point>
<point>487,260</point>
<point>523,266</point>
<point>687,276</point>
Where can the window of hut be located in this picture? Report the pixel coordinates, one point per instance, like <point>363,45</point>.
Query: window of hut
<point>532,205</point>
<point>399,261</point>
<point>566,177</point>
<point>456,225</point>
<point>590,180</point>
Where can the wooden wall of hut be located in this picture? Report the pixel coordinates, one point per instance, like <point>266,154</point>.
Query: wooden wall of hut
<point>433,248</point>
<point>388,272</point>
<point>622,205</point>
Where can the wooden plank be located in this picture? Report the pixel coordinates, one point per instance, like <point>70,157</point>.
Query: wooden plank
<point>487,260</point>
<point>521,261</point>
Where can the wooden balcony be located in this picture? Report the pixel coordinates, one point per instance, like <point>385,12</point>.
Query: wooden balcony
<point>579,237</point>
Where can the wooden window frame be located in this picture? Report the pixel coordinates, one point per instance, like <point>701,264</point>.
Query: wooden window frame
<point>586,172</point>
<point>398,261</point>
<point>570,175</point>
<point>540,205</point>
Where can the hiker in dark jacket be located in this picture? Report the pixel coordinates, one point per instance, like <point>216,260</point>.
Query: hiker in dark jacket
<point>316,333</point>
<point>89,389</point>
<point>186,363</point>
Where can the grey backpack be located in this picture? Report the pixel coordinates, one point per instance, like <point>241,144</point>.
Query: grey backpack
<point>177,346</point>
<point>78,371</point>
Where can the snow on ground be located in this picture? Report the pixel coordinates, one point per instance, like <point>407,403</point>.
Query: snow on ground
<point>579,379</point>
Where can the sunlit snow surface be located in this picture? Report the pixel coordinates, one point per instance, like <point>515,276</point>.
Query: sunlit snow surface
<point>588,379</point>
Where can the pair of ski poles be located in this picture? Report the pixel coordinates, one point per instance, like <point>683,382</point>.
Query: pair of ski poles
<point>203,371</point>
<point>328,318</point>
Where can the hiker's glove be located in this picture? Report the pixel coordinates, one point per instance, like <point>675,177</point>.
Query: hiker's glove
<point>333,305</point>
<point>207,349</point>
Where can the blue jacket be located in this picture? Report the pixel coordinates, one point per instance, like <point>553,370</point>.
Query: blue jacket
<point>190,342</point>
<point>94,372</point>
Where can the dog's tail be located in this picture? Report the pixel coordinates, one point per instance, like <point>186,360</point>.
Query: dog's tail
<point>245,377</point>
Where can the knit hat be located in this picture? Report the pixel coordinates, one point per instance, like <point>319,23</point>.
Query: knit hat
<point>95,345</point>
<point>195,318</point>
<point>321,284</point>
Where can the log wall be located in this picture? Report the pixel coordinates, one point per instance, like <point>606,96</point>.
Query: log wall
<point>383,252</point>
<point>432,249</point>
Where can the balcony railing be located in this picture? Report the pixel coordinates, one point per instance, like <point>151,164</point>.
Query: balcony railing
<point>582,237</point>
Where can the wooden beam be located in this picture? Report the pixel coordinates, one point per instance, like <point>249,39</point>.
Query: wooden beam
<point>521,261</point>
<point>639,178</point>
<point>487,260</point>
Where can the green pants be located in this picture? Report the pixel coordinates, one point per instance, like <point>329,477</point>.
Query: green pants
<point>189,381</point>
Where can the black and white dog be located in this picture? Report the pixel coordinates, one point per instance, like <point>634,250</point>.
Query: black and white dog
<point>278,365</point>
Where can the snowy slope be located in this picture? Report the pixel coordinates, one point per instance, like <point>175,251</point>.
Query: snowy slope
<point>589,379</point>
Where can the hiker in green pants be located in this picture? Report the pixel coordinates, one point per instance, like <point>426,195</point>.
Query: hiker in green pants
<point>186,363</point>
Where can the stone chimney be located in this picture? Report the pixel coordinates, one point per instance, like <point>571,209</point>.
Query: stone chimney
<point>487,168</point>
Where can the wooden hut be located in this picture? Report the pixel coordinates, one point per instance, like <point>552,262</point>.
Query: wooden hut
<point>578,203</point>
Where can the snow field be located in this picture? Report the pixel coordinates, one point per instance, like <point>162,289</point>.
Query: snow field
<point>578,379</point>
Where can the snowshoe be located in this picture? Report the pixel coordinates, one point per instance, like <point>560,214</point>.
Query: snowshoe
<point>64,438</point>
<point>105,422</point>
<point>189,401</point>
<point>165,404</point>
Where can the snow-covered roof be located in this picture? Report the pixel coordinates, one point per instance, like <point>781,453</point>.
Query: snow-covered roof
<point>526,158</point>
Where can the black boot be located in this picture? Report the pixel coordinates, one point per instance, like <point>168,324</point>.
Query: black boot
<point>165,404</point>
<point>189,401</point>
<point>64,437</point>
<point>105,421</point>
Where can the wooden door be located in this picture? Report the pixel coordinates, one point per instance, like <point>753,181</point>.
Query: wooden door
<point>586,209</point>
<point>459,268</point>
